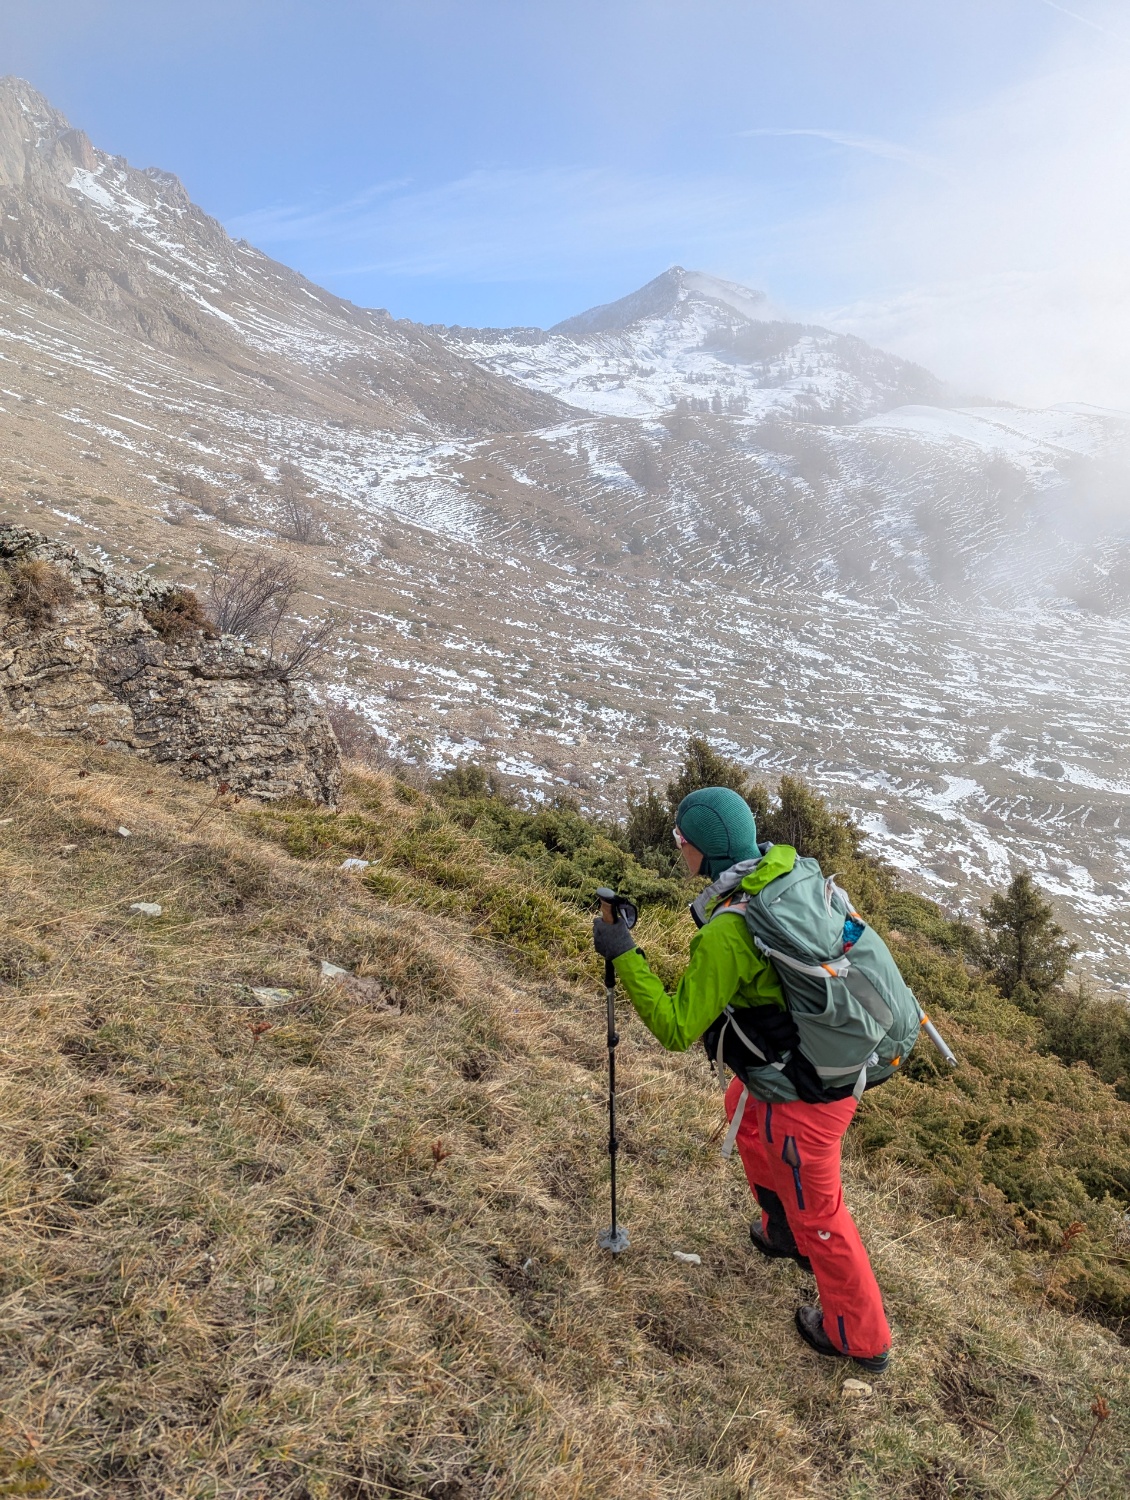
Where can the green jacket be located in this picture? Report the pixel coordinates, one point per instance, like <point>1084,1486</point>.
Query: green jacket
<point>724,969</point>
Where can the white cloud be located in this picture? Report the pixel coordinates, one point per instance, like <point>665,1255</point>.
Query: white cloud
<point>1010,275</point>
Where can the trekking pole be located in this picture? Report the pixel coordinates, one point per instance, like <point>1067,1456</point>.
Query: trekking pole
<point>936,1037</point>
<point>613,907</point>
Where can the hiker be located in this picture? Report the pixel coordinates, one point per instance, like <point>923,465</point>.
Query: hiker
<point>789,1144</point>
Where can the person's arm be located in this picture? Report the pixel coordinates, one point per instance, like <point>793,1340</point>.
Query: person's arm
<point>723,965</point>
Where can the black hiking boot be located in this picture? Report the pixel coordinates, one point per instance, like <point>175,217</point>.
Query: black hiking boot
<point>775,1239</point>
<point>810,1325</point>
<point>765,1247</point>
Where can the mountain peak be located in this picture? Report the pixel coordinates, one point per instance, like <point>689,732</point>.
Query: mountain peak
<point>663,296</point>
<point>32,130</point>
<point>30,102</point>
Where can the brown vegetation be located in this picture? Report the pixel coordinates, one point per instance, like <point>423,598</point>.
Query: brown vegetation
<point>300,520</point>
<point>345,1248</point>
<point>178,615</point>
<point>36,589</point>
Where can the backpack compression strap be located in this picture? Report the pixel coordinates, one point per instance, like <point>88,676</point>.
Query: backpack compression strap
<point>836,967</point>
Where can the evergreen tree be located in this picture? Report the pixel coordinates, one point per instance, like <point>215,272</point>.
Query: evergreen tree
<point>643,466</point>
<point>799,816</point>
<point>466,779</point>
<point>1024,948</point>
<point>703,766</point>
<point>803,819</point>
<point>649,824</point>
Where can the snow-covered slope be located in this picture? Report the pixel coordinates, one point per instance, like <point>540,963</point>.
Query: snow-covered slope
<point>710,344</point>
<point>563,551</point>
<point>808,457</point>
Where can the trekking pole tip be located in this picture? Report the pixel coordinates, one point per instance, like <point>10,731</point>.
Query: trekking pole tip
<point>614,1239</point>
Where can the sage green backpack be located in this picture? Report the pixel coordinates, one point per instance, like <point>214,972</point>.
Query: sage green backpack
<point>856,1018</point>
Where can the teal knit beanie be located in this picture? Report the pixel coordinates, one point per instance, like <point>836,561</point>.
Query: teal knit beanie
<point>719,822</point>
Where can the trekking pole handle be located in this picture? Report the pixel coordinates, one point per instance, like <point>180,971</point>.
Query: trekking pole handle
<point>609,913</point>
<point>613,908</point>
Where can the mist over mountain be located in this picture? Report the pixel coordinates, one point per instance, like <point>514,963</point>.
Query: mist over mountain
<point>560,551</point>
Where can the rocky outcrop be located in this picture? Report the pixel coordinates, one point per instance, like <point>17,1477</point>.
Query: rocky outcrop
<point>119,659</point>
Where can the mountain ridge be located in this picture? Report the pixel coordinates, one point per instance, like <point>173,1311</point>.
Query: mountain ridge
<point>129,249</point>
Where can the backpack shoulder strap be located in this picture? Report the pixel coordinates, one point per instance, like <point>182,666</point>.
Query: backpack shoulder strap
<point>729,1020</point>
<point>704,905</point>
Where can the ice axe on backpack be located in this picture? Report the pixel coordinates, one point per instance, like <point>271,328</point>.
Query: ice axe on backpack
<point>936,1037</point>
<point>613,908</point>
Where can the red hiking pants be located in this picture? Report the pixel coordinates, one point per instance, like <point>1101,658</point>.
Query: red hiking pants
<point>791,1156</point>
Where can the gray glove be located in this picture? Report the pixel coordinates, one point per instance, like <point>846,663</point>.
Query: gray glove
<point>610,939</point>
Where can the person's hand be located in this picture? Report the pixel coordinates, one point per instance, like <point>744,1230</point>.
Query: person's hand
<point>610,939</point>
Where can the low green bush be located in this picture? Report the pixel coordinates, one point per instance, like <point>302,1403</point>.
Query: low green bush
<point>1082,1028</point>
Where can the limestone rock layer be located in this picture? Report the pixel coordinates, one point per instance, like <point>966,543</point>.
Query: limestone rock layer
<point>86,661</point>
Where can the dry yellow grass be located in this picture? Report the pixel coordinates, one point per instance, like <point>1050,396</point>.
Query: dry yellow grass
<point>353,1255</point>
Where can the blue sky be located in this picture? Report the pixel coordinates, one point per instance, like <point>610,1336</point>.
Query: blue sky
<point>513,161</point>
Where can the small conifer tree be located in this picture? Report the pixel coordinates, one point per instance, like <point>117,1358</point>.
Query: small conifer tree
<point>803,819</point>
<point>649,825</point>
<point>1025,950</point>
<point>704,766</point>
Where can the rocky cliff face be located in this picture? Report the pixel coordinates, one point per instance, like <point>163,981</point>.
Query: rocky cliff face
<point>119,659</point>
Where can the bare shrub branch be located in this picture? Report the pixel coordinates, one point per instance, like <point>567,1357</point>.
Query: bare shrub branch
<point>252,594</point>
<point>358,739</point>
<point>193,487</point>
<point>302,656</point>
<point>249,594</point>
<point>300,521</point>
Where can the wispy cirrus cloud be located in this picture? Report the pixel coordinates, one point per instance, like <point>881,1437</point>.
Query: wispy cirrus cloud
<point>1075,16</point>
<point>872,145</point>
<point>302,222</point>
<point>512,224</point>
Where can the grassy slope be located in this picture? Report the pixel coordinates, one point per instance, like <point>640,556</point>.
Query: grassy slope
<point>353,1255</point>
